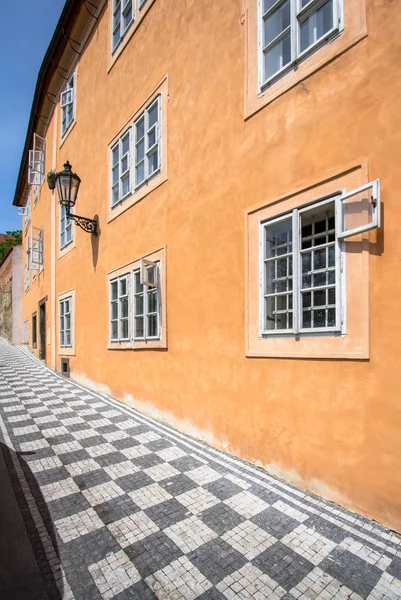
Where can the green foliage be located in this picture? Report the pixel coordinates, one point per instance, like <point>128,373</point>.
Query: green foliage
<point>14,239</point>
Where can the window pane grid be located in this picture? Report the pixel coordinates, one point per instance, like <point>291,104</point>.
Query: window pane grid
<point>65,323</point>
<point>278,263</point>
<point>289,29</point>
<point>119,309</point>
<point>147,142</point>
<point>146,310</point>
<point>121,168</point>
<point>67,104</point>
<point>123,17</point>
<point>66,231</point>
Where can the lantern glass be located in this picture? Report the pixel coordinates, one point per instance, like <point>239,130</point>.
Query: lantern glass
<point>67,186</point>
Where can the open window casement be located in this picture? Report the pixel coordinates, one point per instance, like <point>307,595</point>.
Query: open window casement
<point>36,249</point>
<point>36,166</point>
<point>359,210</point>
<point>149,273</point>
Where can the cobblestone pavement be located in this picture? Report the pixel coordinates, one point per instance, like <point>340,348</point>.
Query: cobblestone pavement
<point>118,506</point>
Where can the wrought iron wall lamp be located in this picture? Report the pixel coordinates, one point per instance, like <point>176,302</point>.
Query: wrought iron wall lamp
<point>67,187</point>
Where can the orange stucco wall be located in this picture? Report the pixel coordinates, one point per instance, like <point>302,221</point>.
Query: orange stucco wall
<point>330,426</point>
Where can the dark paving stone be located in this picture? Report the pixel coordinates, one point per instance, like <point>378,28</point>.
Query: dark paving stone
<point>28,437</point>
<point>127,442</point>
<point>51,475</point>
<point>223,488</point>
<point>134,481</point>
<point>395,567</point>
<point>74,457</point>
<point>221,518</point>
<point>158,445</point>
<point>111,458</point>
<point>283,565</point>
<point>186,463</point>
<point>91,547</point>
<point>350,570</point>
<point>327,529</point>
<point>178,484</point>
<point>112,511</point>
<point>216,560</point>
<point>67,506</point>
<point>153,553</point>
<point>167,513</point>
<point>77,426</point>
<point>139,591</point>
<point>95,440</point>
<point>88,480</point>
<point>147,461</point>
<point>212,594</point>
<point>56,440</point>
<point>107,428</point>
<point>31,455</point>
<point>275,522</point>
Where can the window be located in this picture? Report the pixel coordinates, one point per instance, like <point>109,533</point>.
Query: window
<point>27,257</point>
<point>65,308</point>
<point>67,102</point>
<point>34,330</point>
<point>66,228</point>
<point>36,245</point>
<point>36,166</point>
<point>137,303</point>
<point>119,308</point>
<point>26,338</point>
<point>301,272</point>
<point>121,168</point>
<point>307,291</point>
<point>123,16</point>
<point>146,302</point>
<point>303,261</point>
<point>27,213</point>
<point>148,143</point>
<point>291,28</point>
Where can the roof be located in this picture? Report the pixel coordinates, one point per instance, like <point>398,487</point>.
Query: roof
<point>50,64</point>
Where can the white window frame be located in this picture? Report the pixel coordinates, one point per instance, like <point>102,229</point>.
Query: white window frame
<point>118,301</point>
<point>150,287</point>
<point>27,263</point>
<point>149,150</point>
<point>26,331</point>
<point>36,246</point>
<point>67,101</point>
<point>36,163</point>
<point>121,9</point>
<point>27,213</point>
<point>298,15</point>
<point>65,309</point>
<point>119,165</point>
<point>341,234</point>
<point>66,228</point>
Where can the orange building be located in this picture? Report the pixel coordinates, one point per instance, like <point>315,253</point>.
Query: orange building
<point>241,161</point>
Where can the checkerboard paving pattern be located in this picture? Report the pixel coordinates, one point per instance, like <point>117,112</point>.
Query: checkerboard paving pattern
<point>119,507</point>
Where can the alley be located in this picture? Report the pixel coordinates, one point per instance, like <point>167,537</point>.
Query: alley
<point>118,506</point>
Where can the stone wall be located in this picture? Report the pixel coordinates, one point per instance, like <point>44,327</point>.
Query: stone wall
<point>6,298</point>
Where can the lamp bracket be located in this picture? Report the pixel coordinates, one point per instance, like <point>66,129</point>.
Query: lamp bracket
<point>88,225</point>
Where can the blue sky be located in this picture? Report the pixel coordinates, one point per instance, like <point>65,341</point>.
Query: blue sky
<point>26,28</point>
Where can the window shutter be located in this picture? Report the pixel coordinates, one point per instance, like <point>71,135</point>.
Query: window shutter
<point>359,210</point>
<point>149,273</point>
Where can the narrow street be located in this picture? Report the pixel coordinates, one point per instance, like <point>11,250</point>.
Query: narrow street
<point>118,506</point>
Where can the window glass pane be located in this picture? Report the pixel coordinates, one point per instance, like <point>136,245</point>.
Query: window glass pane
<point>139,327</point>
<point>319,259</point>
<point>68,338</point>
<point>114,310</point>
<point>115,155</point>
<point>125,144</point>
<point>152,326</point>
<point>278,56</point>
<point>115,175</point>
<point>152,138</point>
<point>125,185</point>
<point>114,290</point>
<point>138,284</point>
<point>268,4</point>
<point>140,173</point>
<point>153,114</point>
<point>124,164</point>
<point>140,152</point>
<point>319,298</point>
<point>114,330</point>
<point>123,287</point>
<point>152,301</point>
<point>138,305</point>
<point>139,129</point>
<point>62,342</point>
<point>124,329</point>
<point>153,162</point>
<point>124,307</point>
<point>317,25</point>
<point>276,22</point>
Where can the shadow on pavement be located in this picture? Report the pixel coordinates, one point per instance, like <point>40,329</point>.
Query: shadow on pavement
<point>29,556</point>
